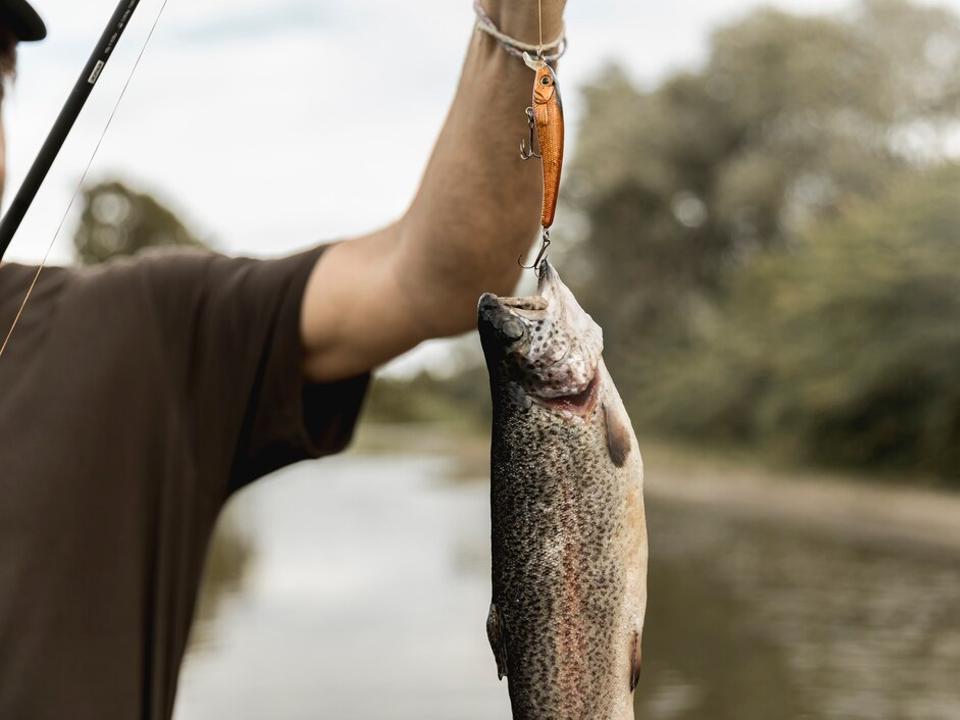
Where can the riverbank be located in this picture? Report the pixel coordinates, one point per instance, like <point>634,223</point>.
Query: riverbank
<point>846,506</point>
<point>850,506</point>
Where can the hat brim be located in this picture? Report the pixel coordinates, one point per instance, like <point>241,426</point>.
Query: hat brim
<point>22,20</point>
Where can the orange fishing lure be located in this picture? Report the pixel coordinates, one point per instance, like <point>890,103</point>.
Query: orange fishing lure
<point>546,121</point>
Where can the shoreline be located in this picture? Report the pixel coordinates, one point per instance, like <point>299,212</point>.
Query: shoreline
<point>847,507</point>
<point>844,506</point>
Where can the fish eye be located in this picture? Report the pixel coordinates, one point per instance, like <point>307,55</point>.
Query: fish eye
<point>511,330</point>
<point>545,80</point>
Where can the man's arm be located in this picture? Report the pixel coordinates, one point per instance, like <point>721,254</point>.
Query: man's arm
<point>476,211</point>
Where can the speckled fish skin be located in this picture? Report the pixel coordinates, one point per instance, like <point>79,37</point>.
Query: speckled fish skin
<point>548,119</point>
<point>568,526</point>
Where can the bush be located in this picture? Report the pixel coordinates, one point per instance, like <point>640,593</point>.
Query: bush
<point>843,350</point>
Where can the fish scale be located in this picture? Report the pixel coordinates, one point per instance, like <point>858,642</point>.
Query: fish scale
<point>568,528</point>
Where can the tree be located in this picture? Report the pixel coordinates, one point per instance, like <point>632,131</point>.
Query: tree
<point>771,241</point>
<point>844,349</point>
<point>117,220</point>
<point>790,118</point>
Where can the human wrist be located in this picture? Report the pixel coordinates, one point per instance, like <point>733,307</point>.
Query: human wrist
<point>520,19</point>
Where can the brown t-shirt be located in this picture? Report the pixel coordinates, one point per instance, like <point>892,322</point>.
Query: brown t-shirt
<point>134,399</point>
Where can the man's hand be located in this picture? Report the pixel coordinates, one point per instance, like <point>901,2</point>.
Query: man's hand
<point>476,211</point>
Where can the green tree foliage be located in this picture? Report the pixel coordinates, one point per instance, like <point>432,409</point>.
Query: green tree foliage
<point>845,349</point>
<point>788,119</point>
<point>461,401</point>
<point>117,220</point>
<point>770,245</point>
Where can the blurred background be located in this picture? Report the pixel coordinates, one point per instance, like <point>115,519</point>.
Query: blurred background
<point>761,207</point>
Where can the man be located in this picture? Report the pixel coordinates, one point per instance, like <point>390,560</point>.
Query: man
<point>135,398</point>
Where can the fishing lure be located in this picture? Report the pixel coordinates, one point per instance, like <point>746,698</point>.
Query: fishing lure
<point>545,118</point>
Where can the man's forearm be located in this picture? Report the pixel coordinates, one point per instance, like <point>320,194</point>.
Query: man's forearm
<point>476,211</point>
<point>478,206</point>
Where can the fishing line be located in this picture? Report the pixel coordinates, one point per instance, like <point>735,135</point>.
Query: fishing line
<point>540,23</point>
<point>92,79</point>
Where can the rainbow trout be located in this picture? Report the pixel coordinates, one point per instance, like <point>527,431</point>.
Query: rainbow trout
<point>568,526</point>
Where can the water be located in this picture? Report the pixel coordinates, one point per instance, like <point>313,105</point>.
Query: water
<point>750,620</point>
<point>368,585</point>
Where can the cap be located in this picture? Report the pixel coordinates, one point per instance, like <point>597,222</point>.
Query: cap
<point>22,20</point>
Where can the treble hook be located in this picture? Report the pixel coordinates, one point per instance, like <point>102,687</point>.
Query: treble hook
<point>545,243</point>
<point>526,154</point>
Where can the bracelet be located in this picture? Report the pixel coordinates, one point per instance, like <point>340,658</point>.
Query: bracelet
<point>549,52</point>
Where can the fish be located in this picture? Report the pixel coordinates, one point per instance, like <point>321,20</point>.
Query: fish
<point>546,118</point>
<point>568,527</point>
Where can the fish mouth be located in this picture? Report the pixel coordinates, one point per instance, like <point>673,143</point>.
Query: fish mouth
<point>580,404</point>
<point>494,309</point>
<point>547,282</point>
<point>501,318</point>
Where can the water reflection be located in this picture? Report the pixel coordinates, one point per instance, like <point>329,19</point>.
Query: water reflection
<point>371,583</point>
<point>751,620</point>
<point>367,600</point>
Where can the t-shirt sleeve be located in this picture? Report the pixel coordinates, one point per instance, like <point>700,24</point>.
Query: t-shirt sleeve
<point>231,329</point>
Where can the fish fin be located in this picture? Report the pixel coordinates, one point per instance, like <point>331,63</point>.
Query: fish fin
<point>618,436</point>
<point>541,115</point>
<point>635,662</point>
<point>497,640</point>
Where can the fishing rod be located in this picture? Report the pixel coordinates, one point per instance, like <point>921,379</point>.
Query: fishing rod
<point>64,123</point>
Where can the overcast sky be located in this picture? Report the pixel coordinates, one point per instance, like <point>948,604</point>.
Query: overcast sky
<point>253,119</point>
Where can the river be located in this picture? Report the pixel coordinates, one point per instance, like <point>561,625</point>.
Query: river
<point>368,586</point>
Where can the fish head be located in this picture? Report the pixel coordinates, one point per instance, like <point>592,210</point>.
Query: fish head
<point>544,344</point>
<point>546,85</point>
